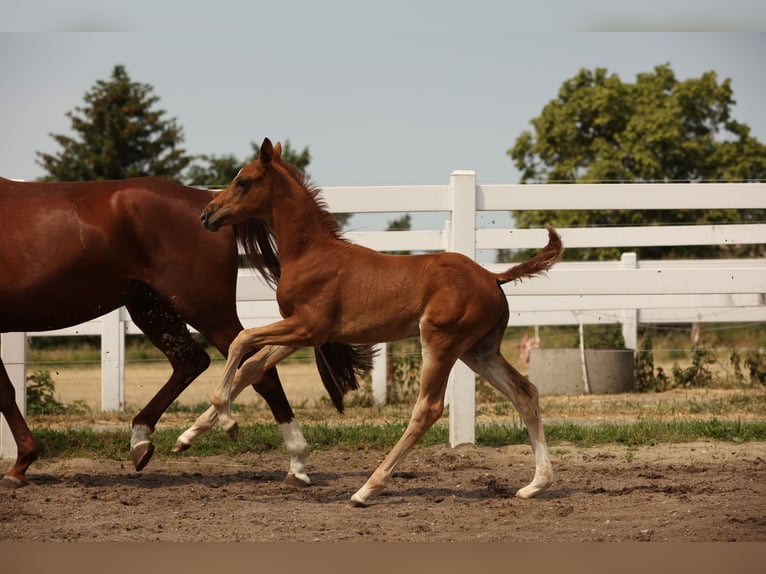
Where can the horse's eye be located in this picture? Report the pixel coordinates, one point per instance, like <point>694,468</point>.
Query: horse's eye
<point>243,184</point>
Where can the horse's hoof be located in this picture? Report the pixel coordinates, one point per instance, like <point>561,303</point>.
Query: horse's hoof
<point>530,491</point>
<point>141,454</point>
<point>181,446</point>
<point>293,479</point>
<point>12,482</point>
<point>356,503</point>
<point>233,431</point>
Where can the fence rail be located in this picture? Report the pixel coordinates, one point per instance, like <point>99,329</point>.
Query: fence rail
<point>626,291</point>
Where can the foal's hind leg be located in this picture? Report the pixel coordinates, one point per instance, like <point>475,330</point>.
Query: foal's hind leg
<point>524,397</point>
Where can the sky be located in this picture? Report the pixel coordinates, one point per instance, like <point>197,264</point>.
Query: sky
<point>382,93</point>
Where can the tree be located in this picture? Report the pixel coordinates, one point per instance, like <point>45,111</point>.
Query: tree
<point>213,171</point>
<point>119,134</point>
<point>600,129</point>
<point>403,223</point>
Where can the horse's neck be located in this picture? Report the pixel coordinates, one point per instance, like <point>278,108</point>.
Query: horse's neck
<point>298,221</point>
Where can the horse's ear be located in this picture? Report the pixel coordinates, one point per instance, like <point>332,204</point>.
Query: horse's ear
<point>266,152</point>
<point>278,150</point>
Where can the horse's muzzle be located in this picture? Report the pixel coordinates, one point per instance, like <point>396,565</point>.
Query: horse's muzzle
<point>211,220</point>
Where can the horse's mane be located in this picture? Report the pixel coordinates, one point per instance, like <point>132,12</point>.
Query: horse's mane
<point>256,235</point>
<point>315,193</point>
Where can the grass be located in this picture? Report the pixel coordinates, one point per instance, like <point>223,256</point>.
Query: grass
<point>265,437</point>
<point>632,420</point>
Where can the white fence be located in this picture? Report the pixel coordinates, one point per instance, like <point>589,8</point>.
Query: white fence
<point>626,291</point>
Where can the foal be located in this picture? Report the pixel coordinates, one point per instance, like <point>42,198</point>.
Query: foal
<point>333,290</point>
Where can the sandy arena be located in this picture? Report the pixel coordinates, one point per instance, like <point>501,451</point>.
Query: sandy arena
<point>704,492</point>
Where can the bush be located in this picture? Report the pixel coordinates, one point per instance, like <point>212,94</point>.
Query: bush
<point>755,363</point>
<point>608,336</point>
<point>41,399</point>
<point>406,361</point>
<point>40,395</point>
<point>697,374</point>
<point>647,379</point>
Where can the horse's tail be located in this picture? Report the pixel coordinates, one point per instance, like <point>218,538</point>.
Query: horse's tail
<point>339,365</point>
<point>538,264</point>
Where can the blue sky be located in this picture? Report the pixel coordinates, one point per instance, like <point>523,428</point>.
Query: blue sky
<point>394,93</point>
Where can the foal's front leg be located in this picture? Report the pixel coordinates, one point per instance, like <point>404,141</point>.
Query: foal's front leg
<point>286,334</point>
<point>295,443</point>
<point>252,369</point>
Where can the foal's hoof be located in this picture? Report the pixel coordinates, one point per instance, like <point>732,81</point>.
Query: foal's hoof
<point>141,454</point>
<point>12,482</point>
<point>293,479</point>
<point>531,490</point>
<point>181,446</point>
<point>233,431</point>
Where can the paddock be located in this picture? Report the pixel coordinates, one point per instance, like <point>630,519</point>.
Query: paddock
<point>698,492</point>
<point>703,491</point>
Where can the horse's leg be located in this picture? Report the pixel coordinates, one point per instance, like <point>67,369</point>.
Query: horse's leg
<point>285,333</point>
<point>206,420</point>
<point>524,396</point>
<point>429,406</point>
<point>270,388</point>
<point>25,445</point>
<point>168,332</point>
<point>254,367</point>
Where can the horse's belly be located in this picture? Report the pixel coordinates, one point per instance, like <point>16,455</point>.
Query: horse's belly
<point>55,307</point>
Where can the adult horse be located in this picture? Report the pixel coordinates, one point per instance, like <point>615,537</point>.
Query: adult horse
<point>333,290</point>
<point>73,251</point>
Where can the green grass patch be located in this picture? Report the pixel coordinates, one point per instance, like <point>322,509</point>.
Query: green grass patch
<point>263,437</point>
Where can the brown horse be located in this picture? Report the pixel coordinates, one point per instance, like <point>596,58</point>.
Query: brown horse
<point>73,251</point>
<point>332,290</point>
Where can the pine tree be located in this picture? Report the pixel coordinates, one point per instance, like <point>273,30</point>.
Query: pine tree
<point>118,134</point>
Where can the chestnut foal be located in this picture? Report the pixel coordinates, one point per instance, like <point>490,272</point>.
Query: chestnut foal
<point>333,290</point>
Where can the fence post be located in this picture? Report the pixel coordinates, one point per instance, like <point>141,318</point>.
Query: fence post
<point>13,352</point>
<point>461,389</point>
<point>379,374</point>
<point>629,316</point>
<point>112,361</point>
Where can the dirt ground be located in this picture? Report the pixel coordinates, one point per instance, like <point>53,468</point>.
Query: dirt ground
<point>700,492</point>
<point>688,492</point>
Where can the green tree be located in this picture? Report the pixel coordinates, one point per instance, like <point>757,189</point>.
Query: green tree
<point>403,223</point>
<point>213,171</point>
<point>118,134</point>
<point>601,129</point>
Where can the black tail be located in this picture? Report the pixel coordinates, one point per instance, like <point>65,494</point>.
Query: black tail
<point>339,365</point>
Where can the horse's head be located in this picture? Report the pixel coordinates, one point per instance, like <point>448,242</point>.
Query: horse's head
<point>248,195</point>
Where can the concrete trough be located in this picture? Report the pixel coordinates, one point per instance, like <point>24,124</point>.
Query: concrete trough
<point>560,372</point>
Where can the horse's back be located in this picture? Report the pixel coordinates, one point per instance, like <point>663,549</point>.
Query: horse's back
<point>74,250</point>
